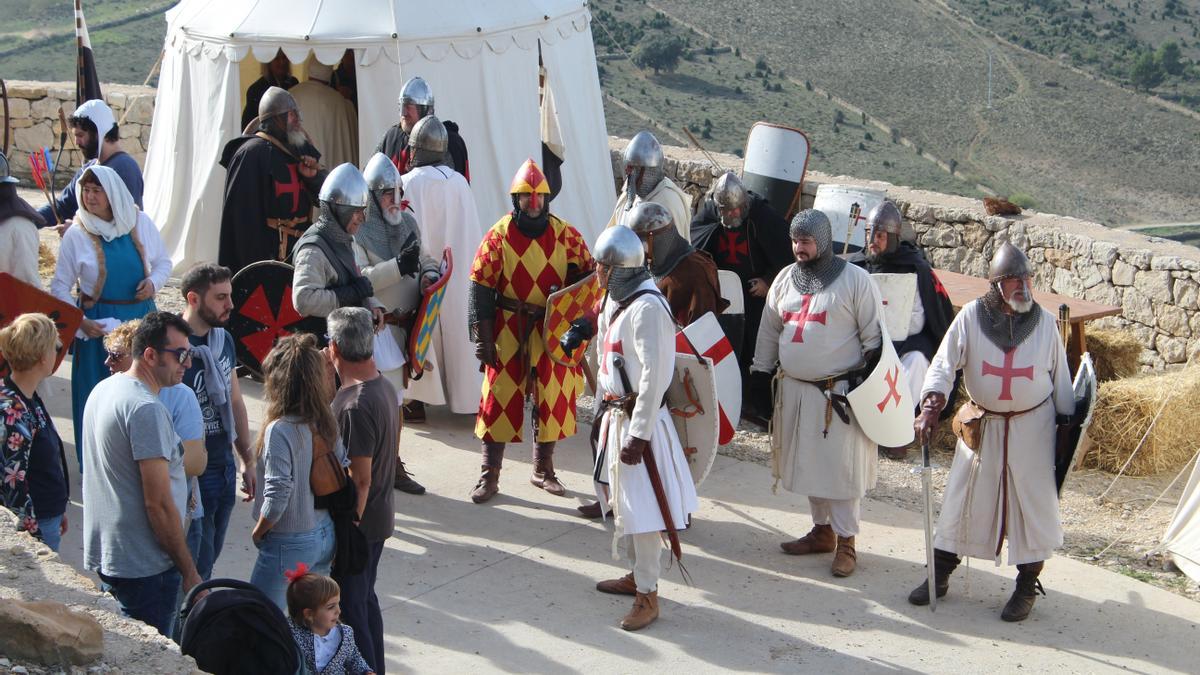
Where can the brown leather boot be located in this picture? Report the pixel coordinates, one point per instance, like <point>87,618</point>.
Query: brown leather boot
<point>644,612</point>
<point>623,586</point>
<point>820,539</point>
<point>488,485</point>
<point>845,560</point>
<point>944,563</point>
<point>592,511</point>
<point>543,470</point>
<point>1021,603</point>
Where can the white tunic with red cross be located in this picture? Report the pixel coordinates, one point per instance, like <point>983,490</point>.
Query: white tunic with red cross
<point>989,500</point>
<point>814,337</point>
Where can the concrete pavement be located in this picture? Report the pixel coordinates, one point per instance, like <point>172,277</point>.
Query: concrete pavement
<point>508,586</point>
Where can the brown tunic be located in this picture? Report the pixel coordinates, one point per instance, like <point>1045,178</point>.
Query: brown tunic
<point>692,288</point>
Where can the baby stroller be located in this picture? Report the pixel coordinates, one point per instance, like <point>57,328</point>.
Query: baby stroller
<point>237,630</point>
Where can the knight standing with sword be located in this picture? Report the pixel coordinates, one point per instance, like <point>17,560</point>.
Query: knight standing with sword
<point>1002,482</point>
<point>639,456</point>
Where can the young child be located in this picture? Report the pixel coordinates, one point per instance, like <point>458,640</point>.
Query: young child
<point>326,645</point>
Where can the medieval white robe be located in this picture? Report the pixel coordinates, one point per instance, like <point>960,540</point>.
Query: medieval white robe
<point>670,196</point>
<point>444,207</point>
<point>988,499</point>
<point>330,120</point>
<point>814,337</point>
<point>644,335</point>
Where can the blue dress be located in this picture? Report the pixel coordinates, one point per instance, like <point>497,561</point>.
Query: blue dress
<point>125,270</point>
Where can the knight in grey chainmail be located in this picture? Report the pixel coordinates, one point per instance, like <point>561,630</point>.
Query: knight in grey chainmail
<point>817,273</point>
<point>643,164</point>
<point>665,248</point>
<point>620,252</point>
<point>1006,320</point>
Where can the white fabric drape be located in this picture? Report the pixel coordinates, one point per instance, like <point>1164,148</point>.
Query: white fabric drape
<point>1182,538</point>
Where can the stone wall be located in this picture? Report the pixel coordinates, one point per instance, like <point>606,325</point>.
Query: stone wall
<point>1154,280</point>
<point>34,107</point>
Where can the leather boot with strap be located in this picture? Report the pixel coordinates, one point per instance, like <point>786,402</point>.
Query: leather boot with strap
<point>404,481</point>
<point>644,612</point>
<point>489,480</point>
<point>543,470</point>
<point>1021,603</point>
<point>820,539</point>
<point>845,560</point>
<point>944,563</point>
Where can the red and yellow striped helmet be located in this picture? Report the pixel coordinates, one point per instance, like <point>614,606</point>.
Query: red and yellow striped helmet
<point>530,180</point>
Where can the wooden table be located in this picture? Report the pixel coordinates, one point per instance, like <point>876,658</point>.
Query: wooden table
<point>963,288</point>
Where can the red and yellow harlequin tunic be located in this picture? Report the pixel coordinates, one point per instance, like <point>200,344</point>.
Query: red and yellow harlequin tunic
<point>527,270</point>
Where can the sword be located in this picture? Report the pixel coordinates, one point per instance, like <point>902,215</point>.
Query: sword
<point>660,494</point>
<point>927,487</point>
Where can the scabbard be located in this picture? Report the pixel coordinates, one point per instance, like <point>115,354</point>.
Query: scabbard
<point>661,496</point>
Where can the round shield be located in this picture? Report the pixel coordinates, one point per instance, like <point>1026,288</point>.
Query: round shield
<point>263,312</point>
<point>847,207</point>
<point>18,297</point>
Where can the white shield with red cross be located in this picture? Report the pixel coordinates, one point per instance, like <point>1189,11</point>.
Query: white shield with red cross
<point>706,335</point>
<point>882,404</point>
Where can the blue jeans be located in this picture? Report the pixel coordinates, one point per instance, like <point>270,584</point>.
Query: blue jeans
<point>280,552</point>
<point>218,493</point>
<point>51,529</point>
<point>150,600</point>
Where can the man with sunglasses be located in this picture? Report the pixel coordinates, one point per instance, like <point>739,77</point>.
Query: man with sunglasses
<point>134,485</point>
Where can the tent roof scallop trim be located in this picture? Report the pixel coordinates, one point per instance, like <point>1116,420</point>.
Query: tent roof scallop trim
<point>559,20</point>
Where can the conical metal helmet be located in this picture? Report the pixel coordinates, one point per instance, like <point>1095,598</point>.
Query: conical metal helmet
<point>618,246</point>
<point>644,151</point>
<point>1009,263</point>
<point>648,217</point>
<point>729,193</point>
<point>381,174</point>
<point>417,92</point>
<point>276,101</point>
<point>429,134</point>
<point>345,186</point>
<point>6,176</point>
<point>885,217</point>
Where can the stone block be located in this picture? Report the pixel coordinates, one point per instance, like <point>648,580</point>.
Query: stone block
<point>1173,320</point>
<point>1193,351</point>
<point>1066,283</point>
<point>1189,265</point>
<point>947,258</point>
<point>116,99</point>
<point>974,264</point>
<point>941,236</point>
<point>1036,256</point>
<point>1060,258</point>
<point>33,138</point>
<point>61,93</point>
<point>1138,257</point>
<point>1171,349</point>
<point>46,109</point>
<point>996,223</point>
<point>1041,236</point>
<point>1104,253</point>
<point>952,215</point>
<point>1103,294</point>
<point>921,213</point>
<point>141,110</point>
<point>1143,334</point>
<point>1156,285</point>
<point>1187,294</point>
<point>49,633</point>
<point>21,123</point>
<point>1136,306</point>
<point>130,130</point>
<point>975,235</point>
<point>1089,273</point>
<point>30,91</point>
<point>1194,324</point>
<point>1166,262</point>
<point>19,107</point>
<point>1123,273</point>
<point>146,135</point>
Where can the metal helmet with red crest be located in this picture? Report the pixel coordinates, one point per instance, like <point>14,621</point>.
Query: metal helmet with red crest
<point>531,181</point>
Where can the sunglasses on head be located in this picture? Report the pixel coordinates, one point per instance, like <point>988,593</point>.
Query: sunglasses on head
<point>114,356</point>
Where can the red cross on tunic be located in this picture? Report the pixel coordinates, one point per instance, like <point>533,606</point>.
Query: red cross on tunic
<point>732,246</point>
<point>937,285</point>
<point>293,188</point>
<point>893,393</point>
<point>803,318</point>
<point>610,348</point>
<point>1008,373</point>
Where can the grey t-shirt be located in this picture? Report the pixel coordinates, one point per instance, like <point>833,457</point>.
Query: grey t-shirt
<point>368,416</point>
<point>124,423</point>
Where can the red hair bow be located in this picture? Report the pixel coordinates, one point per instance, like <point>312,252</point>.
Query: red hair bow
<point>293,575</point>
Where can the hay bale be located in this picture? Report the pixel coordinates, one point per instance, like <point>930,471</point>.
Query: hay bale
<point>46,261</point>
<point>1114,352</point>
<point>1126,408</point>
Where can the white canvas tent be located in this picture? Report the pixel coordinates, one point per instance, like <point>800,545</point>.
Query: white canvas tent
<point>481,59</point>
<point>1182,538</point>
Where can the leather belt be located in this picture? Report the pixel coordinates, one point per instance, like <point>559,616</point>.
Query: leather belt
<point>287,228</point>
<point>833,402</point>
<point>532,311</point>
<point>402,320</point>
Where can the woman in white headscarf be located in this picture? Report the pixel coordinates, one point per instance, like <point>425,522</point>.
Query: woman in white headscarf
<point>115,257</point>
